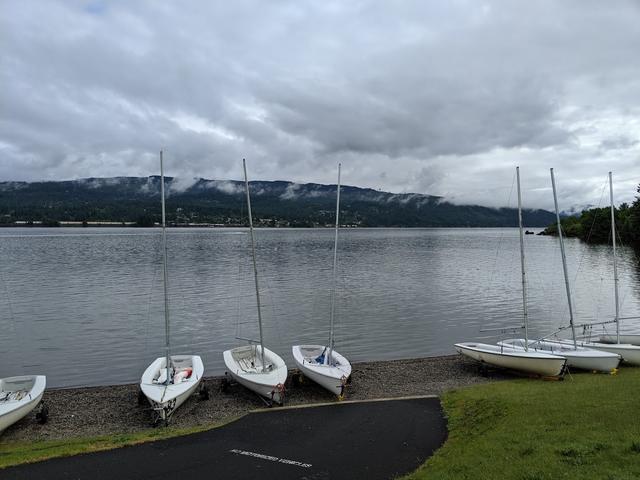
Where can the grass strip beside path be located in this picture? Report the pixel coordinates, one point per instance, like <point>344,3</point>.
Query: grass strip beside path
<point>585,427</point>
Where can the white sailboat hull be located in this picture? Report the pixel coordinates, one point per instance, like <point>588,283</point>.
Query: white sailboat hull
<point>332,376</point>
<point>166,398</point>
<point>513,359</point>
<point>19,396</point>
<point>630,353</point>
<point>244,364</point>
<point>630,338</point>
<point>582,358</point>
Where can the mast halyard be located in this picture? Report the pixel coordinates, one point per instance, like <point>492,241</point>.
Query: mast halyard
<point>522,267</point>
<point>564,262</point>
<point>165,275</point>
<point>328,357</point>
<point>253,255</point>
<point>615,258</point>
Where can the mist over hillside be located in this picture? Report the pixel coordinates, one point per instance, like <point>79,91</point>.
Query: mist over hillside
<point>222,202</point>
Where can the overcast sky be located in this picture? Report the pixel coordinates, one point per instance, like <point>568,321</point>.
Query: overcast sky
<point>438,97</point>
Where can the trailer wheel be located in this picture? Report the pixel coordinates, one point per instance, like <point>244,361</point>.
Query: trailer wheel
<point>43,415</point>
<point>203,392</point>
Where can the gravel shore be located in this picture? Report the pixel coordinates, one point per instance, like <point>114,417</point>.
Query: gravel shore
<point>93,411</point>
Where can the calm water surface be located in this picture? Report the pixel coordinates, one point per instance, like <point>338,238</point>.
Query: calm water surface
<point>85,306</point>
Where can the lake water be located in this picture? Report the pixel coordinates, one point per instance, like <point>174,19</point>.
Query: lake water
<point>85,306</point>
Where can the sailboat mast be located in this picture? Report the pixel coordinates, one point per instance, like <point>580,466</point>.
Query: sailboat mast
<point>522,267</point>
<point>615,259</point>
<point>335,268</point>
<point>253,255</point>
<point>165,273</point>
<point>564,261</point>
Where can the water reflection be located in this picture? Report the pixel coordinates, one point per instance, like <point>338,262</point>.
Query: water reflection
<point>84,306</point>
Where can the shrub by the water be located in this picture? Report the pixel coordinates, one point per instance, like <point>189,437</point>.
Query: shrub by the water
<point>594,225</point>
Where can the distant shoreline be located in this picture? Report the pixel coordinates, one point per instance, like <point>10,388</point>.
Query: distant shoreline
<point>270,227</point>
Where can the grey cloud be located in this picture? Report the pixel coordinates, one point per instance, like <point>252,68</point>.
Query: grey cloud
<point>181,184</point>
<point>621,142</point>
<point>291,191</point>
<point>226,187</point>
<point>442,98</point>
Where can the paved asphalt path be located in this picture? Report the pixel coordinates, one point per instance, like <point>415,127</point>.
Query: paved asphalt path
<point>364,440</point>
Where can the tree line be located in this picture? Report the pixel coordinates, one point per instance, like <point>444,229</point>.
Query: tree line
<point>594,225</point>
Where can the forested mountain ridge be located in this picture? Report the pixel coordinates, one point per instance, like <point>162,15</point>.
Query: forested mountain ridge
<point>275,203</point>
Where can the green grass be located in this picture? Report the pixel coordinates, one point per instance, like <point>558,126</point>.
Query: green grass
<point>586,427</point>
<point>15,453</point>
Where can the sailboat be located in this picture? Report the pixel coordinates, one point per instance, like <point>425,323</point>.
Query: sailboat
<point>578,357</point>
<point>618,338</point>
<point>170,379</point>
<point>255,366</point>
<point>630,353</point>
<point>19,396</point>
<point>621,338</point>
<point>506,356</point>
<point>321,363</point>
